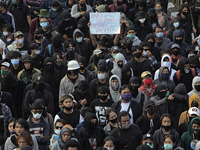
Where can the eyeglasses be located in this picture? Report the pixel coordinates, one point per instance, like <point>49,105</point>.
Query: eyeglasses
<point>59,127</point>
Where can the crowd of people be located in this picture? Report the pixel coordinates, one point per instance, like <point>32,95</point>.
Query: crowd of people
<point>63,88</point>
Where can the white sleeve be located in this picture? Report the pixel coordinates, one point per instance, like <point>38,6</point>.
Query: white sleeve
<point>80,119</point>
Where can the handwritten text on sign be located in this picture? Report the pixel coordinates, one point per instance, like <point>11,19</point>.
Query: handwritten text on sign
<point>105,23</point>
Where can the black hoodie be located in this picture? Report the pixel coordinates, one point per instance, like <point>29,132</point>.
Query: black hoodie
<point>185,78</point>
<point>52,77</point>
<point>91,130</point>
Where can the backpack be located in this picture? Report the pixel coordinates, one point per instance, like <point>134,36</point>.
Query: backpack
<point>178,73</point>
<point>49,48</point>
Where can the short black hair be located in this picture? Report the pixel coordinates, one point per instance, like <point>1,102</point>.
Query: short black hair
<point>145,43</point>
<point>68,42</point>
<point>23,123</point>
<point>158,27</point>
<point>109,138</point>
<point>84,110</point>
<point>123,114</point>
<point>72,143</point>
<point>61,121</point>
<point>196,121</point>
<point>9,27</point>
<point>108,111</point>
<point>124,87</point>
<point>103,90</point>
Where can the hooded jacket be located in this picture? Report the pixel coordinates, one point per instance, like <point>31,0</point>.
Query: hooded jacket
<point>83,48</point>
<point>183,45</point>
<point>187,137</point>
<point>194,91</point>
<point>52,77</point>
<point>154,50</point>
<point>185,78</point>
<point>75,10</point>
<point>56,16</point>
<point>115,94</point>
<point>168,64</point>
<point>59,145</point>
<point>67,27</point>
<point>117,70</point>
<point>158,81</point>
<point>91,131</point>
<point>183,117</point>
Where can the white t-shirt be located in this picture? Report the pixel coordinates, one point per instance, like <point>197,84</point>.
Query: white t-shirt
<point>124,107</point>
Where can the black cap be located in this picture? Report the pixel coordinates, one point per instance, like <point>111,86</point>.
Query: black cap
<point>114,49</point>
<point>150,103</point>
<point>37,105</point>
<point>3,4</point>
<point>33,46</point>
<point>147,136</point>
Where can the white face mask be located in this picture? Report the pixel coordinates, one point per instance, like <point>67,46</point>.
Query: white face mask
<point>8,40</point>
<point>126,126</point>
<point>142,20</point>
<point>57,131</point>
<point>5,33</point>
<point>20,41</point>
<point>101,76</point>
<point>37,115</point>
<point>110,148</point>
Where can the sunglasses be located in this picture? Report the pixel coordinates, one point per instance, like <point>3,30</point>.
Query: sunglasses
<point>59,127</point>
<point>39,112</point>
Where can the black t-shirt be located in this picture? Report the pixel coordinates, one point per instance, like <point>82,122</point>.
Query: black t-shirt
<point>100,109</point>
<point>20,14</point>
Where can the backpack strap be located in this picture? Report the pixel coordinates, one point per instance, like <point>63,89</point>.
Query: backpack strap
<point>178,75</point>
<point>193,72</point>
<point>49,48</point>
<point>142,99</point>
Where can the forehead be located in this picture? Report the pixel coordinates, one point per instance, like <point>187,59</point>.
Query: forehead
<point>125,118</point>
<point>68,100</point>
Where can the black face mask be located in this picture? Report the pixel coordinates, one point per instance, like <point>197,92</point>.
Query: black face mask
<point>114,120</point>
<point>178,41</point>
<point>167,128</point>
<point>38,37</point>
<point>190,118</point>
<point>82,5</point>
<point>152,44</point>
<point>176,53</point>
<point>39,87</point>
<point>50,67</point>
<point>103,97</point>
<point>68,108</point>
<point>184,13</point>
<point>197,87</point>
<point>74,72</point>
<point>151,111</point>
<point>134,88</point>
<point>138,54</point>
<point>120,65</point>
<point>126,77</point>
<point>162,94</point>
<point>82,68</point>
<point>93,126</point>
<point>196,134</point>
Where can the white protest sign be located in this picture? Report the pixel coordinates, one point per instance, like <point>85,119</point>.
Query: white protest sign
<point>105,23</point>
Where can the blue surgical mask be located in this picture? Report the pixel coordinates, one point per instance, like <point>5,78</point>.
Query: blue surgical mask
<point>114,55</point>
<point>37,52</point>
<point>176,24</point>
<point>79,40</point>
<point>54,9</point>
<point>151,146</point>
<point>132,36</point>
<point>15,61</point>
<point>37,115</point>
<point>57,131</point>
<point>43,24</point>
<point>168,146</point>
<point>14,2</point>
<point>101,76</point>
<point>159,35</point>
<point>145,53</point>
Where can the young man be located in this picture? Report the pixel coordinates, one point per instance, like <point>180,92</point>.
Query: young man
<point>72,145</point>
<point>38,126</point>
<point>69,114</point>
<point>101,104</point>
<point>130,134</point>
<point>148,87</point>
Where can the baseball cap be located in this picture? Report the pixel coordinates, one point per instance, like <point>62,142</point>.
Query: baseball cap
<point>150,103</point>
<point>114,49</point>
<point>145,73</point>
<point>6,64</point>
<point>97,52</point>
<point>18,33</point>
<point>147,136</point>
<point>193,111</point>
<point>175,46</point>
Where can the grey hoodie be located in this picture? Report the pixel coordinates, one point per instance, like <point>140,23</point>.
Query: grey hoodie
<point>194,91</point>
<point>115,94</point>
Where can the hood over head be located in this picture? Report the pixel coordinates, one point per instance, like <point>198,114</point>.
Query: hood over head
<point>182,62</point>
<point>159,88</point>
<point>195,80</point>
<point>77,31</point>
<point>180,89</point>
<point>150,36</point>
<point>117,77</point>
<point>119,57</point>
<point>190,125</point>
<point>160,73</point>
<point>194,98</point>
<point>178,32</point>
<point>87,122</point>
<point>166,64</point>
